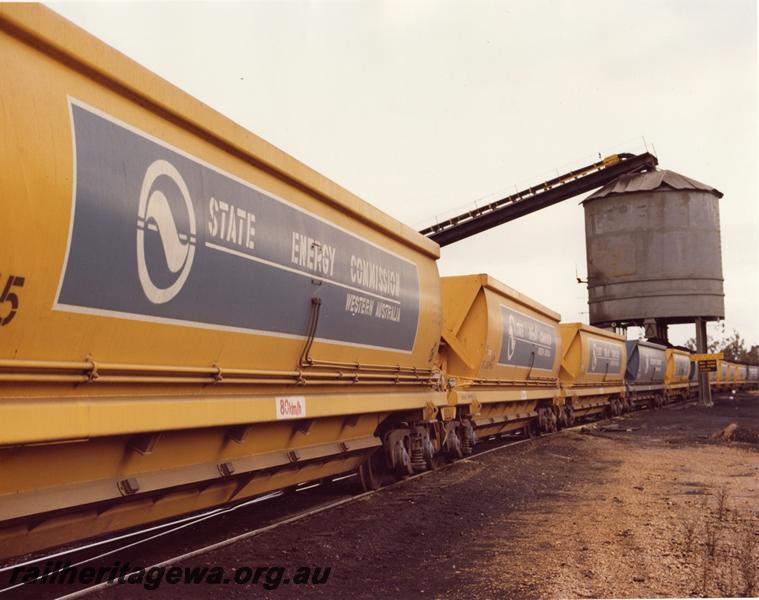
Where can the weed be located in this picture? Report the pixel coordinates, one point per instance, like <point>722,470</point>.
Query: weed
<point>747,563</point>
<point>711,538</point>
<point>689,533</point>
<point>722,498</point>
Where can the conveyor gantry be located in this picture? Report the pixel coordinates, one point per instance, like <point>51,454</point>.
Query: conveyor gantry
<point>539,196</point>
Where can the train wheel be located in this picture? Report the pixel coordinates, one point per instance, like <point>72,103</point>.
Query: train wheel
<point>369,475</point>
<point>431,458</point>
<point>609,410</point>
<point>561,417</point>
<point>617,404</point>
<point>547,420</point>
<point>453,448</point>
<point>570,415</point>
<point>402,460</point>
<point>468,437</point>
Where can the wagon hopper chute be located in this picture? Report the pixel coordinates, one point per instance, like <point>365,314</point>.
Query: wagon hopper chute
<point>644,377</point>
<point>677,375</point>
<point>592,370</point>
<point>501,352</point>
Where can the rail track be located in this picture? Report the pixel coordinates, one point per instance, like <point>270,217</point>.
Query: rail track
<point>165,544</point>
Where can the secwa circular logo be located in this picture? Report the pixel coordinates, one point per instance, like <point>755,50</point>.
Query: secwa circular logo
<point>155,214</point>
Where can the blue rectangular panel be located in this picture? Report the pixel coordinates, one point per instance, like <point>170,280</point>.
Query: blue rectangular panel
<point>526,341</point>
<point>604,357</point>
<point>157,234</point>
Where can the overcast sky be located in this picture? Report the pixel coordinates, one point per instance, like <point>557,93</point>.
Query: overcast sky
<point>423,108</point>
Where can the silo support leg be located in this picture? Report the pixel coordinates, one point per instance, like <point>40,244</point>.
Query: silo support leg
<point>704,389</point>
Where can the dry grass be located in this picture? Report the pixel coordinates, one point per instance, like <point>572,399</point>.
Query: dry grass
<point>722,499</point>
<point>747,557</point>
<point>689,533</point>
<point>724,550</point>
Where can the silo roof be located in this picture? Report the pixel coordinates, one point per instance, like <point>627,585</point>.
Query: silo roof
<point>649,181</point>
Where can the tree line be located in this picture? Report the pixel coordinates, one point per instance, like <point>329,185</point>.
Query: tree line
<point>733,347</point>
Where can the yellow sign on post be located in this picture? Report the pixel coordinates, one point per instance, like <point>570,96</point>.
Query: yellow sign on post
<point>700,357</point>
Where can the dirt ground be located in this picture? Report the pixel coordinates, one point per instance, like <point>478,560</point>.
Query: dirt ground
<point>646,507</point>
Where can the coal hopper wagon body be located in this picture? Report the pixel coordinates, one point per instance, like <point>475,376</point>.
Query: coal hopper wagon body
<point>191,317</point>
<point>677,375</point>
<point>644,377</point>
<point>720,381</point>
<point>741,376</point>
<point>731,376</point>
<point>693,382</point>
<point>592,370</point>
<point>752,377</point>
<point>501,353</point>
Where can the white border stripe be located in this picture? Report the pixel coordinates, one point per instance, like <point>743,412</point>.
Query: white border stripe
<point>103,312</point>
<point>73,204</point>
<point>296,271</point>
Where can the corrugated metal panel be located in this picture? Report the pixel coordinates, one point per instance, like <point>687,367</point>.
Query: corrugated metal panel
<point>653,250</point>
<point>650,181</point>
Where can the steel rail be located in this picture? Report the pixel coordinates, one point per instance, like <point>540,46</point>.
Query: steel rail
<point>311,512</point>
<point>189,521</point>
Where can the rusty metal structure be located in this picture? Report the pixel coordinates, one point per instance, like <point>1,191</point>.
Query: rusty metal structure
<point>653,252</point>
<point>654,255</point>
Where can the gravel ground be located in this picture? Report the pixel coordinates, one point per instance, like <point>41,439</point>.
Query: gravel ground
<point>646,507</point>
